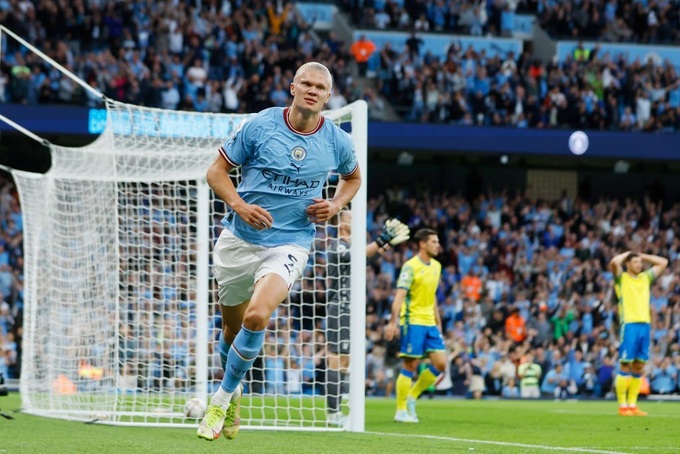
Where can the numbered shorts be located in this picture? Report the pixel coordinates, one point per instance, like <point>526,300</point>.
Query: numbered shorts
<point>238,265</point>
<point>337,327</point>
<point>634,342</point>
<point>417,341</point>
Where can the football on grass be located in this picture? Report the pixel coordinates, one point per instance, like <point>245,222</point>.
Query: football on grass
<point>194,408</point>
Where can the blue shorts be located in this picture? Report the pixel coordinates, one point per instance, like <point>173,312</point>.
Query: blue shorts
<point>634,342</point>
<point>419,340</point>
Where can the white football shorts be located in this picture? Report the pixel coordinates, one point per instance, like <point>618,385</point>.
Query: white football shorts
<point>238,265</point>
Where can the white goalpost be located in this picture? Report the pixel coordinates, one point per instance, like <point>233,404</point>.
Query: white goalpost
<point>120,318</point>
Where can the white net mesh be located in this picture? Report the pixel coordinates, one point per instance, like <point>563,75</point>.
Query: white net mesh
<point>116,295</point>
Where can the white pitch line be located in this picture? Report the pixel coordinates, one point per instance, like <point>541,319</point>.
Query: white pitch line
<point>648,448</point>
<point>499,443</point>
<point>602,413</point>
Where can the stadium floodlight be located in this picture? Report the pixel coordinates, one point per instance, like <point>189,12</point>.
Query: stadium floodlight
<point>120,310</point>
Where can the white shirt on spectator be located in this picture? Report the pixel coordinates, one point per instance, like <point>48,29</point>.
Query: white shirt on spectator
<point>494,217</point>
<point>652,20</point>
<point>376,109</point>
<point>231,88</point>
<point>25,6</point>
<point>508,369</point>
<point>3,83</point>
<point>294,380</point>
<point>404,19</point>
<point>421,24</point>
<point>170,98</point>
<point>176,41</point>
<point>197,75</point>
<point>608,78</point>
<point>381,19</point>
<point>643,110</point>
<point>670,234</point>
<point>605,225</point>
<point>666,279</point>
<point>337,101</point>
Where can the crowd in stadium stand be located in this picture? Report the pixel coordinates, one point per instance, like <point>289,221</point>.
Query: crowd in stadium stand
<point>523,279</point>
<point>231,59</point>
<point>162,54</point>
<point>590,91</point>
<point>11,279</point>
<point>625,21</point>
<point>472,88</point>
<point>460,17</point>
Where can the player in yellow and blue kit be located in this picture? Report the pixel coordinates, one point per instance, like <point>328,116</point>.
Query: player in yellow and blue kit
<point>632,289</point>
<point>415,307</point>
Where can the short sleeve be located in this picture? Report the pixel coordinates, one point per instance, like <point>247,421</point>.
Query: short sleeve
<point>237,149</point>
<point>405,277</point>
<point>650,275</point>
<point>348,163</point>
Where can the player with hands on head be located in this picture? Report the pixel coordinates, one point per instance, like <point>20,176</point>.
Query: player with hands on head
<point>285,156</point>
<point>339,303</point>
<point>632,290</point>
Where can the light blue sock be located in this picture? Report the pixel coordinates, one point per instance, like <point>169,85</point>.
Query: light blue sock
<point>242,354</point>
<point>223,348</point>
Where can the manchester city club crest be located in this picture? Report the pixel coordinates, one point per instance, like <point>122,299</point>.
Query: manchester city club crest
<point>298,153</point>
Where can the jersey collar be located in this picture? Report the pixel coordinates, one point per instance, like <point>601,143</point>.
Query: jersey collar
<point>290,126</point>
<point>424,262</point>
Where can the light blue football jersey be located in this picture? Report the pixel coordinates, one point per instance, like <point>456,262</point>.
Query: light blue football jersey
<point>282,171</point>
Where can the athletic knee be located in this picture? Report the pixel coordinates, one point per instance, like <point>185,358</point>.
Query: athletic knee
<point>229,335</point>
<point>624,367</point>
<point>256,318</point>
<point>638,368</point>
<point>409,366</point>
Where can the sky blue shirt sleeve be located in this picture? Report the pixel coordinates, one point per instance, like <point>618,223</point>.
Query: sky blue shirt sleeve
<point>348,157</point>
<point>237,149</point>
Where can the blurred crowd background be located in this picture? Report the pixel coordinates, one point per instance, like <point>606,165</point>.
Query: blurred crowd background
<point>523,280</point>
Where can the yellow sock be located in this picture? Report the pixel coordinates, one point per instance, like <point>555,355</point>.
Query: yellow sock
<point>404,380</point>
<point>622,384</point>
<point>425,380</point>
<point>634,390</point>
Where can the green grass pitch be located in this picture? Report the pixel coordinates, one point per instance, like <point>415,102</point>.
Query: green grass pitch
<point>446,426</point>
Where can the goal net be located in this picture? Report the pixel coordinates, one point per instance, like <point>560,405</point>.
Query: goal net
<point>121,320</point>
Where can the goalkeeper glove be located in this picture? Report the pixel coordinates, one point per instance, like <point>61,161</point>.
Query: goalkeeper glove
<point>394,232</point>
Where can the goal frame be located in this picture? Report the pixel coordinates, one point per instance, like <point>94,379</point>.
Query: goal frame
<point>356,422</point>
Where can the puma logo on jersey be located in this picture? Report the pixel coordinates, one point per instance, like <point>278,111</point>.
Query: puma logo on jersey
<point>297,168</point>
